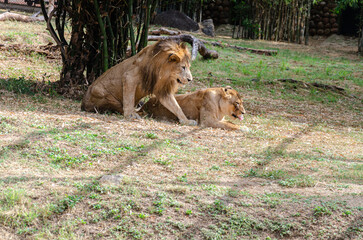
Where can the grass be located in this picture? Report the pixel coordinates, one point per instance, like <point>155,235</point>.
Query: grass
<point>296,174</point>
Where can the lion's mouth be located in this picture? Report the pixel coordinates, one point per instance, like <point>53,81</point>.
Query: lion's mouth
<point>240,117</point>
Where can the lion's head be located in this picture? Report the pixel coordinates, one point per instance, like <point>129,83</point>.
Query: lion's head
<point>232,103</point>
<point>168,68</point>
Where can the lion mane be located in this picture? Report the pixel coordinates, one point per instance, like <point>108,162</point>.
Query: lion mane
<point>158,69</point>
<point>207,106</point>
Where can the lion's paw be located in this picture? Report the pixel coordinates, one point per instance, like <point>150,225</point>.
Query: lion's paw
<point>189,122</point>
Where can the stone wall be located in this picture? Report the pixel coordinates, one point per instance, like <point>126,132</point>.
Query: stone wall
<point>218,10</point>
<point>323,20</point>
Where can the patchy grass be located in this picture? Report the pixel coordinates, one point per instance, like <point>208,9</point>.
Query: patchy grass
<point>296,174</point>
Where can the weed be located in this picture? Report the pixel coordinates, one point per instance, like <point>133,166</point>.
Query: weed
<point>151,135</point>
<point>218,207</point>
<point>10,197</point>
<point>183,178</point>
<point>68,202</point>
<point>159,204</point>
<point>233,192</point>
<point>214,167</point>
<point>283,228</point>
<point>251,173</point>
<point>163,162</point>
<point>321,210</point>
<point>298,181</point>
<point>347,213</point>
<point>228,163</point>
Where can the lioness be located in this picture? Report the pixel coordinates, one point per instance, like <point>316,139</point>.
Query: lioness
<point>207,106</point>
<point>157,69</point>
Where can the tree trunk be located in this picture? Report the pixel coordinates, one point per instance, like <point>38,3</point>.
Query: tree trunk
<point>50,6</point>
<point>101,32</point>
<point>360,44</point>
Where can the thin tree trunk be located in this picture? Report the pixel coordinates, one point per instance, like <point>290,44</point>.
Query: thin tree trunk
<point>104,35</point>
<point>132,36</point>
<point>307,23</point>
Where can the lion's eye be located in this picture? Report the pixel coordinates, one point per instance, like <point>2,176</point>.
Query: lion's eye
<point>237,104</point>
<point>183,67</point>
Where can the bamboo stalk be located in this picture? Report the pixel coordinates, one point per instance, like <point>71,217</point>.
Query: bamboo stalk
<point>307,23</point>
<point>132,35</point>
<point>103,31</point>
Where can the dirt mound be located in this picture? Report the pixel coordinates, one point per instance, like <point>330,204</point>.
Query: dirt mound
<point>340,40</point>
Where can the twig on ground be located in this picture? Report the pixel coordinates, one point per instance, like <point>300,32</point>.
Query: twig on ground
<point>164,31</point>
<point>257,51</point>
<point>8,16</point>
<point>314,84</point>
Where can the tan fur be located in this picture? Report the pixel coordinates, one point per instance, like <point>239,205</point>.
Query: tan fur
<point>158,69</point>
<point>207,106</point>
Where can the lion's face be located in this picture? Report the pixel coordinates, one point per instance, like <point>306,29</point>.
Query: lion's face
<point>181,74</point>
<point>234,103</point>
<point>172,67</point>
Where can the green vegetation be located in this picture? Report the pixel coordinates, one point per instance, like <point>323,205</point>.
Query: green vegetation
<point>296,174</point>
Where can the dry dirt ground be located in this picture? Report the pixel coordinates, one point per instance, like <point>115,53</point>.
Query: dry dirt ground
<point>66,174</point>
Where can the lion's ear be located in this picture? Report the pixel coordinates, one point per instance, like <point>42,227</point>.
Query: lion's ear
<point>174,58</point>
<point>226,91</point>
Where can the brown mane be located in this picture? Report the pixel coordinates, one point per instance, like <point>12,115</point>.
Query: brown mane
<point>158,66</point>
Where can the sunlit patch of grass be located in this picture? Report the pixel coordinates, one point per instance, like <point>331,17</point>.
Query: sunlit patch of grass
<point>298,181</point>
<point>352,172</point>
<point>53,157</point>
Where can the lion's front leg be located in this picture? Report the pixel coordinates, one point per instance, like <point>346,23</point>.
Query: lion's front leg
<point>210,118</point>
<point>128,97</point>
<point>172,105</point>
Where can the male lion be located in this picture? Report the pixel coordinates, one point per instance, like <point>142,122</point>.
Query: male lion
<point>158,69</point>
<point>207,106</point>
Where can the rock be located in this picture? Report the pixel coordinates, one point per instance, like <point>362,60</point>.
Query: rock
<point>244,129</point>
<point>208,27</point>
<point>112,179</point>
<point>177,20</point>
<point>326,31</point>
<point>320,32</point>
<point>333,20</point>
